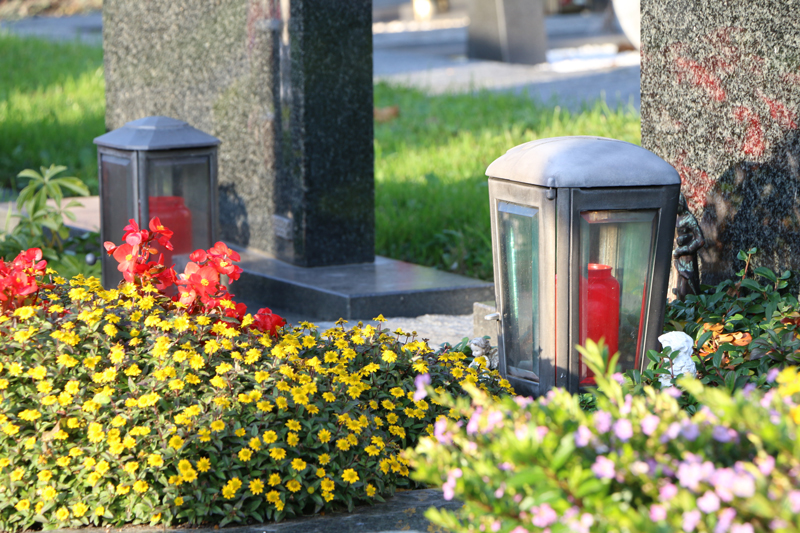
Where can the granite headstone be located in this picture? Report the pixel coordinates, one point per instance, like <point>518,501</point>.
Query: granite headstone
<point>287,87</point>
<point>720,95</point>
<point>511,31</point>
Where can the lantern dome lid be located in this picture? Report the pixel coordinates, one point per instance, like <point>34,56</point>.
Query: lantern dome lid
<point>156,133</point>
<point>583,162</point>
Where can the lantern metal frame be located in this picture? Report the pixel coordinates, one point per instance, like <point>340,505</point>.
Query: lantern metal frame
<point>140,143</point>
<point>562,178</point>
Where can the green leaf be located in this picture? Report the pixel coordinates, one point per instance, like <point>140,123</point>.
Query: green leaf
<point>531,476</point>
<point>767,273</point>
<point>752,285</point>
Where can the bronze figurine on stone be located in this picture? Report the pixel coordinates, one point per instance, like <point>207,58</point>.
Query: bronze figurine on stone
<point>689,239</point>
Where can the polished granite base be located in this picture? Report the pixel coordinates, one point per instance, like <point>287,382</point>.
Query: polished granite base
<point>360,291</point>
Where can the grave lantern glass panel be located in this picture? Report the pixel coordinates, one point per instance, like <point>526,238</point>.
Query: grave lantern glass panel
<point>158,167</point>
<point>582,232</point>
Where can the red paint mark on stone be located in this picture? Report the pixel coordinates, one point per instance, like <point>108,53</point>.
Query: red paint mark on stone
<point>781,114</point>
<point>700,76</point>
<point>696,183</point>
<point>754,136</point>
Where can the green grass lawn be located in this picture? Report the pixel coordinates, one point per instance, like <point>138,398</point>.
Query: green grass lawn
<point>431,199</point>
<point>52,104</point>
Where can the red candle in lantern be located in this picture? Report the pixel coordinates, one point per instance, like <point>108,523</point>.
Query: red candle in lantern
<point>174,215</point>
<point>601,319</point>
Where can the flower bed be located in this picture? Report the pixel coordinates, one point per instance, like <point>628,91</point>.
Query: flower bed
<point>127,406</point>
<point>638,463</point>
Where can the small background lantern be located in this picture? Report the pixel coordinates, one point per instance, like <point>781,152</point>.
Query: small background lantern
<point>158,166</point>
<point>582,232</point>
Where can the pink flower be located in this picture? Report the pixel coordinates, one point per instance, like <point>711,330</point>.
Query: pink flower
<point>766,464</point>
<point>420,382</point>
<point>519,529</point>
<point>650,424</point>
<point>658,513</point>
<point>690,520</point>
<point>742,528</point>
<point>543,515</point>
<point>603,467</point>
<point>708,502</point>
<point>794,501</point>
<point>582,436</point>
<point>667,492</point>
<point>726,516</point>
<point>623,429</point>
<point>602,421</point>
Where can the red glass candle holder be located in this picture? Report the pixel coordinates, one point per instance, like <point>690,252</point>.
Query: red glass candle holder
<point>599,313</point>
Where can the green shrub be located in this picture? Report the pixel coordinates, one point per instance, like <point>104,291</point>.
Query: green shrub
<point>745,330</point>
<point>638,463</point>
<point>119,408</point>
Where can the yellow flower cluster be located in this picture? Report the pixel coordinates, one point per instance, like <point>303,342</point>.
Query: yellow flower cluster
<point>121,396</point>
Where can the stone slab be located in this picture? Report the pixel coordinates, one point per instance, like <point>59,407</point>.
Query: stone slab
<point>403,512</point>
<point>384,286</point>
<point>720,102</point>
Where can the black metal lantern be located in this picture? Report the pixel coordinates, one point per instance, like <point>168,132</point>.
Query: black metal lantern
<point>582,230</point>
<point>158,167</point>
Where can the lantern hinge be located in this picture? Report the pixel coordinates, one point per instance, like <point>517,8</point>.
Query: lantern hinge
<point>550,194</point>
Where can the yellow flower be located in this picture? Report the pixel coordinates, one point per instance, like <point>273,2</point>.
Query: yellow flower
<point>131,467</point>
<point>298,464</point>
<point>397,392</point>
<point>370,490</point>
<point>327,484</point>
<point>37,373</point>
<point>277,453</point>
<point>205,435</point>
<point>261,376</point>
<point>179,501</point>
<point>133,370</point>
<point>10,429</point>
<point>294,425</point>
<point>294,485</point>
<point>141,486</point>
<point>102,467</point>
<point>23,505</point>
<point>324,436</point>
<point>62,514</point>
<point>281,402</point>
<point>320,472</point>
<point>270,437</point>
<point>274,479</point>
<point>25,312</point>
<point>217,381</point>
<point>30,415</point>
<point>203,464</point>
<point>217,426</point>
<point>313,409</point>
<point>176,442</point>
<point>123,489</point>
<point>245,454</point>
<point>45,475</point>
<point>264,406</point>
<point>100,510</point>
<point>292,439</point>
<point>223,367</point>
<point>16,475</point>
<point>328,397</point>
<point>255,443</point>
<point>273,496</point>
<point>240,432</point>
<point>350,476</point>
<point>324,459</point>
<point>256,486</point>
<point>79,509</point>
<point>49,493</point>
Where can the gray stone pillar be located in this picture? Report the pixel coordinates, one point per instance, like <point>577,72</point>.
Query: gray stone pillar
<point>287,86</point>
<point>720,99</point>
<point>507,30</point>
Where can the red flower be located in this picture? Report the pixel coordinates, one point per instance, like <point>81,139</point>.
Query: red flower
<point>126,255</point>
<point>267,321</point>
<point>163,235</point>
